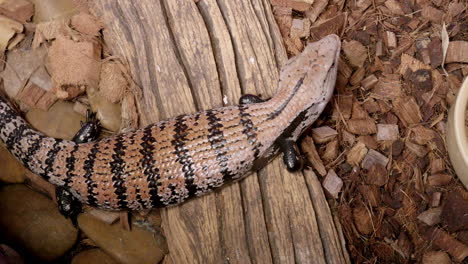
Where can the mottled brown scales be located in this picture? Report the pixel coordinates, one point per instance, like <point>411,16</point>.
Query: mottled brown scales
<point>171,161</point>
<point>77,182</point>
<point>102,169</point>
<point>138,185</point>
<point>41,155</point>
<point>206,170</point>
<point>60,164</point>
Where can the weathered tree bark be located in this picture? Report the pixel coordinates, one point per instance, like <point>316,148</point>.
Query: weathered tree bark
<point>188,56</point>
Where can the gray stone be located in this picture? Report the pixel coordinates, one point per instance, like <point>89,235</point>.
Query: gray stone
<point>108,113</point>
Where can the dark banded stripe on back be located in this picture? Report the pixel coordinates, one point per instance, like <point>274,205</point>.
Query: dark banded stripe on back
<point>13,138</point>
<point>6,116</point>
<point>218,144</point>
<point>280,109</point>
<point>34,146</point>
<point>117,168</point>
<point>147,164</point>
<point>139,200</point>
<point>183,157</point>
<point>51,155</point>
<point>88,167</point>
<point>70,165</point>
<point>249,130</point>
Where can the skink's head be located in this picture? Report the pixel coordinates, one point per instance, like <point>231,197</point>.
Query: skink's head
<point>315,69</point>
<point>309,80</point>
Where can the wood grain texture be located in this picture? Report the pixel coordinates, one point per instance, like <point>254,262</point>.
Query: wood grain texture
<point>188,56</point>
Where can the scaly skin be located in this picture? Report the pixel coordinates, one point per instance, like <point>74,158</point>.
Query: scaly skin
<point>167,162</point>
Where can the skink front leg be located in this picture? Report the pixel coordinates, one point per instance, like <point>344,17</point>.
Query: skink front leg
<point>291,156</point>
<point>68,205</point>
<point>89,130</point>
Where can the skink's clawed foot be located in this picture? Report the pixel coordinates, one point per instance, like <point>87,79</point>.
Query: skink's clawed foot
<point>250,99</point>
<point>89,130</point>
<point>68,205</point>
<point>291,155</point>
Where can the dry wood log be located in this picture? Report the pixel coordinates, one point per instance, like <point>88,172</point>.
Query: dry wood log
<point>188,56</point>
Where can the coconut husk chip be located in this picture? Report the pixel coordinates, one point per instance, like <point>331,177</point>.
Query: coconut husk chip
<point>86,24</point>
<point>396,81</point>
<point>113,83</point>
<point>47,31</point>
<point>8,29</point>
<point>73,66</point>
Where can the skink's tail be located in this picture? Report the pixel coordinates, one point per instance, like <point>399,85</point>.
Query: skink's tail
<point>35,150</point>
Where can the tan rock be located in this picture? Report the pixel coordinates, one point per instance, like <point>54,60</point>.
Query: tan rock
<point>108,217</point>
<point>93,256</point>
<point>12,170</point>
<point>135,246</point>
<point>33,221</point>
<point>109,114</point>
<point>61,121</point>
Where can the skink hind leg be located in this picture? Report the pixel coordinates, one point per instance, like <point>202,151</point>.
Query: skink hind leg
<point>68,205</point>
<point>250,99</point>
<point>291,156</point>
